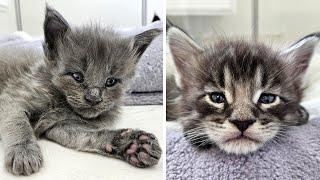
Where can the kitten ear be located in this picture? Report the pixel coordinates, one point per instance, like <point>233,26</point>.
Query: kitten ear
<point>184,51</point>
<point>143,40</point>
<point>300,54</point>
<point>169,24</point>
<point>55,27</point>
<point>297,118</point>
<point>155,18</point>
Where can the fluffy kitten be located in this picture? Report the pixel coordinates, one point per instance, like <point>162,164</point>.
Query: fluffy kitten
<point>237,95</point>
<point>71,96</point>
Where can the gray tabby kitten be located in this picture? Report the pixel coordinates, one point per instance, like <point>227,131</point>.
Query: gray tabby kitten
<point>71,96</point>
<point>237,95</point>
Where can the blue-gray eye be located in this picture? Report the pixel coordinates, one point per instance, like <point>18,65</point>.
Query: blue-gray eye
<point>217,97</point>
<point>78,77</point>
<point>267,98</point>
<point>111,82</point>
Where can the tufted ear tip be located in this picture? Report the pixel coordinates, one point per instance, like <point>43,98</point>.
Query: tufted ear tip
<point>300,54</point>
<point>54,27</point>
<point>144,39</point>
<point>183,50</point>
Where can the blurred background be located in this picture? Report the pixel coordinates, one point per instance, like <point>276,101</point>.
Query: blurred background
<point>28,16</point>
<point>266,20</point>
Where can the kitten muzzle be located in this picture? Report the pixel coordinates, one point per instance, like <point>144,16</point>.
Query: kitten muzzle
<point>93,96</point>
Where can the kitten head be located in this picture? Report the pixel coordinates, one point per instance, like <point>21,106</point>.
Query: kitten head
<point>238,95</point>
<point>90,65</point>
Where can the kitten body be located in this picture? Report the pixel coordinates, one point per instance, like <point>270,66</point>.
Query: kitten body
<point>71,96</point>
<point>237,95</point>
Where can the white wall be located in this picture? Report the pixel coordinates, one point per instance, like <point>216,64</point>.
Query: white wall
<point>116,13</point>
<point>208,27</point>
<point>155,7</point>
<point>279,20</point>
<point>287,20</point>
<point>7,18</point>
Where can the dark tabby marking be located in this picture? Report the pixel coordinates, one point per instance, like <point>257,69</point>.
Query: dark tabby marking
<point>71,96</point>
<point>236,94</point>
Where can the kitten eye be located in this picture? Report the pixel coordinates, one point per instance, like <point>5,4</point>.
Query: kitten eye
<point>267,98</point>
<point>111,82</point>
<point>217,97</point>
<point>78,77</point>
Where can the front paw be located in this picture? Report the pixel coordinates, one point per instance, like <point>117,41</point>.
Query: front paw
<point>139,148</point>
<point>23,159</point>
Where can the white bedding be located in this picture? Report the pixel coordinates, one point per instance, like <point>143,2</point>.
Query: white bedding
<point>61,163</point>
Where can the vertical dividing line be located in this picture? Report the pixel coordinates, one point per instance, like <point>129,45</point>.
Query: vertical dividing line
<point>144,13</point>
<point>18,14</point>
<point>255,20</point>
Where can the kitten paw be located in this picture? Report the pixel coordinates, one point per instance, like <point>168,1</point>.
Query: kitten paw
<point>23,159</point>
<point>139,148</point>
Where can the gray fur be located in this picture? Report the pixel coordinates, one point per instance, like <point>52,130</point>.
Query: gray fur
<point>39,97</point>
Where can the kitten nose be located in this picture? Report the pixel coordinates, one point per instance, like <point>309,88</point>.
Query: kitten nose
<point>242,125</point>
<point>93,96</point>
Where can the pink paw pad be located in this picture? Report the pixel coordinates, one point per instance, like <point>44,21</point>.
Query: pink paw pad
<point>144,157</point>
<point>143,137</point>
<point>147,147</point>
<point>132,149</point>
<point>134,160</point>
<point>109,148</point>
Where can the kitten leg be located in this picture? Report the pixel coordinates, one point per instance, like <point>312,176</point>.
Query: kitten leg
<point>137,147</point>
<point>22,153</point>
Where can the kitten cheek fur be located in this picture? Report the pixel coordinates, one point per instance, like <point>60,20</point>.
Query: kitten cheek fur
<point>197,67</point>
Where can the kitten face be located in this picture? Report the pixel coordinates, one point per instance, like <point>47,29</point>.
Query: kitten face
<point>237,95</point>
<point>93,71</point>
<point>91,66</point>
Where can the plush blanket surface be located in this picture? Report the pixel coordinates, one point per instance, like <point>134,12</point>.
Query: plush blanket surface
<point>296,156</point>
<point>147,85</point>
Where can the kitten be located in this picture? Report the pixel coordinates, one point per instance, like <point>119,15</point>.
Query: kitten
<point>71,96</point>
<point>237,95</point>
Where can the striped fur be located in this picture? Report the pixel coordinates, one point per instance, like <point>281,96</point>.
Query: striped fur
<point>242,71</point>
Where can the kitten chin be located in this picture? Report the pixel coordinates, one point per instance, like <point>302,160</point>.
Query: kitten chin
<point>237,95</point>
<point>92,112</point>
<point>241,146</point>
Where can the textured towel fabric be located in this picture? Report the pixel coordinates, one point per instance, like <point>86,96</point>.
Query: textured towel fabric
<point>146,88</point>
<point>151,98</point>
<point>148,77</point>
<point>296,156</point>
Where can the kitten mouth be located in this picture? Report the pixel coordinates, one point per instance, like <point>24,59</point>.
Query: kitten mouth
<point>242,138</point>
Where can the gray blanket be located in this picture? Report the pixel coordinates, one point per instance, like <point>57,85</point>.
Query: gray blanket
<point>146,88</point>
<point>297,156</point>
